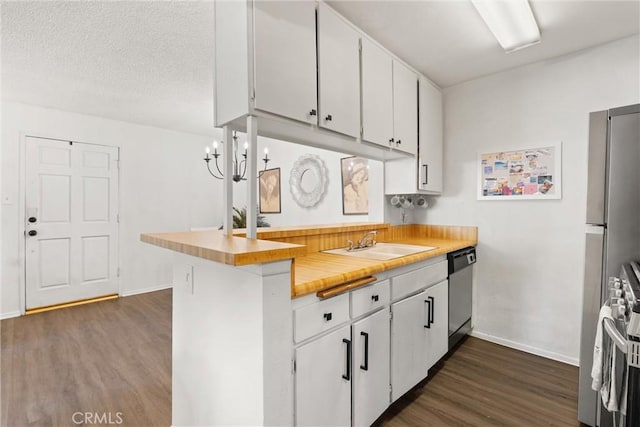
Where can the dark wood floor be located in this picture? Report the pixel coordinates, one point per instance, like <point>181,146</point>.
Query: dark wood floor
<point>115,356</point>
<point>104,358</point>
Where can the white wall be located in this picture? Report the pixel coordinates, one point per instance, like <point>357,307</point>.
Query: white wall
<point>329,209</point>
<point>530,256</point>
<point>164,186</point>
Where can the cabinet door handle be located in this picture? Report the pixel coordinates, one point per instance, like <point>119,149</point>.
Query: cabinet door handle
<point>328,118</point>
<point>32,219</point>
<point>327,316</point>
<point>399,142</point>
<point>33,233</point>
<point>391,140</point>
<point>375,298</point>
<point>365,367</point>
<point>425,181</point>
<point>348,375</point>
<point>428,302</point>
<point>432,309</point>
<point>313,112</point>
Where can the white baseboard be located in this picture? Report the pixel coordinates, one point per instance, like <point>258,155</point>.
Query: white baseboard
<point>527,348</point>
<point>145,290</point>
<point>9,315</point>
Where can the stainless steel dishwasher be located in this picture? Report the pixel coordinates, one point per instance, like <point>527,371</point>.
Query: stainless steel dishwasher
<point>460,283</point>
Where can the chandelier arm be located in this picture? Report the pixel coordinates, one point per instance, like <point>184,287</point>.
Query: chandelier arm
<point>211,172</point>
<point>243,164</point>
<point>219,171</point>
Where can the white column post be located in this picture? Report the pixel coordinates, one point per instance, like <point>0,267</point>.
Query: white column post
<point>227,189</point>
<point>252,181</point>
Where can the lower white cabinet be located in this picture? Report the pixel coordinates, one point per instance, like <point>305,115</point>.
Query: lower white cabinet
<point>409,363</point>
<point>438,330</point>
<point>323,380</point>
<point>370,367</point>
<point>351,348</point>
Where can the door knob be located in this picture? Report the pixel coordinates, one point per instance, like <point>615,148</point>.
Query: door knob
<point>32,219</point>
<point>32,232</point>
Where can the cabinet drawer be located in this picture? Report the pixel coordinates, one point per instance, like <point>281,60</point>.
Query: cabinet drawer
<point>321,316</point>
<point>407,283</point>
<point>369,298</point>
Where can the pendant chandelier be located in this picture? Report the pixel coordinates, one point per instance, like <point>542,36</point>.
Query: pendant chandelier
<point>239,167</point>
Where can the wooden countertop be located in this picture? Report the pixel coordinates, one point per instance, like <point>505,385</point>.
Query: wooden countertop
<point>215,246</point>
<point>313,270</point>
<point>318,271</point>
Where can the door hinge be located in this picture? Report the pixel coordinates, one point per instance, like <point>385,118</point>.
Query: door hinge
<point>360,45</point>
<point>253,94</point>
<point>294,365</point>
<point>118,164</point>
<point>390,393</point>
<point>390,315</point>
<point>118,218</point>
<point>118,272</point>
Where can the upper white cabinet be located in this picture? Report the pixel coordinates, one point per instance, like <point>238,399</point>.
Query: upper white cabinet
<point>285,59</point>
<point>389,100</point>
<point>430,138</point>
<point>377,95</point>
<point>310,76</point>
<point>338,73</point>
<point>405,108</point>
<point>424,175</point>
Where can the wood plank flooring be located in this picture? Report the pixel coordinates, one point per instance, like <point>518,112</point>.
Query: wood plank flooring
<point>115,356</point>
<point>103,358</point>
<point>485,384</point>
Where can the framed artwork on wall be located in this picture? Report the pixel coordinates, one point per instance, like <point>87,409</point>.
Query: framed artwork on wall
<point>269,190</point>
<point>532,173</point>
<point>355,185</point>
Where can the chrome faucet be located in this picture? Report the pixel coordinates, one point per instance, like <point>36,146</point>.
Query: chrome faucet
<point>366,241</point>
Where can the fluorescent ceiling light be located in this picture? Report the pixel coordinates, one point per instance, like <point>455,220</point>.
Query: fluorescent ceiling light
<point>510,21</point>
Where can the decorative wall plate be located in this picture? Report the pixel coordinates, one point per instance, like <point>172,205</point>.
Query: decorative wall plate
<point>308,180</point>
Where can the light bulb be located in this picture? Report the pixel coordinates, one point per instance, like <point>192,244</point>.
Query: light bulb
<point>266,151</point>
<point>207,150</point>
<point>246,145</point>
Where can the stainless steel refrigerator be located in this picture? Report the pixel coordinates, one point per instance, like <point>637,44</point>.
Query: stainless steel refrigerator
<point>612,230</point>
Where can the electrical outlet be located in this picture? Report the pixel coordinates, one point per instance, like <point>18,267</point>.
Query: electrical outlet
<point>183,278</point>
<point>188,278</point>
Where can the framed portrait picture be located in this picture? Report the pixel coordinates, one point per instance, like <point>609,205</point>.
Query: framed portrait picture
<point>531,173</point>
<point>269,190</point>
<point>355,186</point>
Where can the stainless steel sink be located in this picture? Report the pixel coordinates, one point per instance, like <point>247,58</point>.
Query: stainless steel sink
<point>382,251</point>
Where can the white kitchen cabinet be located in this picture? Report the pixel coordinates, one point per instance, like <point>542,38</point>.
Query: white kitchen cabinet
<point>338,73</point>
<point>389,100</point>
<point>424,175</point>
<point>285,58</point>
<point>409,357</point>
<point>430,139</point>
<point>438,318</point>
<point>377,95</point>
<point>405,108</point>
<point>370,367</point>
<point>323,380</point>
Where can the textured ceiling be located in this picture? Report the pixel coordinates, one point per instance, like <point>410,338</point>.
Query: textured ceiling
<point>151,62</point>
<point>144,62</point>
<point>449,42</point>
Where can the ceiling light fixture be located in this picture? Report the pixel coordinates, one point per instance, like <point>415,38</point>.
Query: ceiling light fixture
<point>239,167</point>
<point>510,21</point>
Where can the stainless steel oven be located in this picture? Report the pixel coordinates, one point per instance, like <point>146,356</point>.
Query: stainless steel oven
<point>460,292</point>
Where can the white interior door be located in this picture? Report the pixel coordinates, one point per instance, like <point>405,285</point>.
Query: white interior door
<point>71,221</point>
